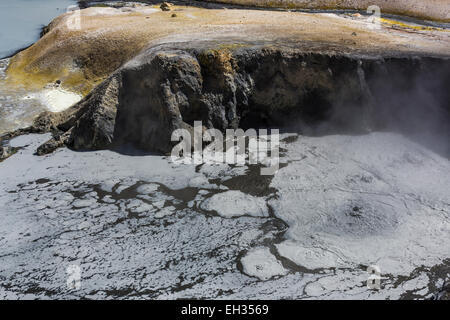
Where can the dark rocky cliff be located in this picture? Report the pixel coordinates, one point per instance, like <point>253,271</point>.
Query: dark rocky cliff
<point>170,86</point>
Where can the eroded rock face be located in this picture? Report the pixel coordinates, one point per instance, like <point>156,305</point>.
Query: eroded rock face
<point>93,124</point>
<point>171,86</point>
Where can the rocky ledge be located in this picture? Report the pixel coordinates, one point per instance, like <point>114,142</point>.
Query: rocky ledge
<point>313,92</point>
<point>313,73</point>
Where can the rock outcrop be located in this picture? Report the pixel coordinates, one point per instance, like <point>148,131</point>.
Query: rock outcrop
<point>314,73</point>
<point>254,86</point>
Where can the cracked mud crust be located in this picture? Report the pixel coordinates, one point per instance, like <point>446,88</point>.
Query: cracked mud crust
<point>136,226</point>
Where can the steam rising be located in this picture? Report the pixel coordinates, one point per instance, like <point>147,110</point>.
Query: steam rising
<point>408,96</point>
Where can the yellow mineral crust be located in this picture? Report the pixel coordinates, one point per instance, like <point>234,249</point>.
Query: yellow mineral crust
<point>434,10</point>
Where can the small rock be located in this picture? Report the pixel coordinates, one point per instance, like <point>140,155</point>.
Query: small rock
<point>173,15</point>
<point>166,6</point>
<point>53,144</point>
<point>49,146</point>
<point>6,151</point>
<point>3,152</point>
<point>356,15</point>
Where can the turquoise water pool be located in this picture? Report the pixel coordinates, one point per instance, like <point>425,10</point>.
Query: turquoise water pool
<point>21,21</point>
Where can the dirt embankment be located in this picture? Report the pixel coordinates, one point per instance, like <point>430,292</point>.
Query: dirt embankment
<point>108,37</point>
